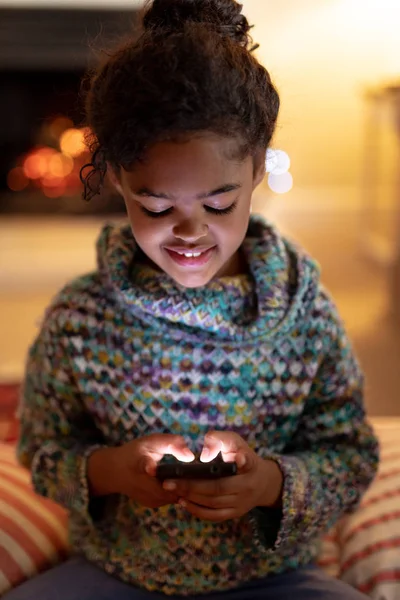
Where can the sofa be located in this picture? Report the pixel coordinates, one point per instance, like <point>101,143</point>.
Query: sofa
<point>363,549</point>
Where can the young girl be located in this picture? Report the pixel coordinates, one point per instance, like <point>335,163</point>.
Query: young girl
<point>201,331</point>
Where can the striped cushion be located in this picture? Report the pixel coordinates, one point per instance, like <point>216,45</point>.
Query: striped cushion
<point>33,533</point>
<point>364,549</point>
<point>8,429</point>
<point>370,538</point>
<point>329,557</point>
<point>9,394</point>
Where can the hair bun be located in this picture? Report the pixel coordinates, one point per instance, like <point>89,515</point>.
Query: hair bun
<point>224,15</point>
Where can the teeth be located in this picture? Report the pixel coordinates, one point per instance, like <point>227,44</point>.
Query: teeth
<point>192,254</point>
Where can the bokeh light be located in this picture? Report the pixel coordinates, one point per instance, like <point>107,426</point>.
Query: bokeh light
<point>280,184</point>
<point>35,164</point>
<point>72,142</point>
<point>53,169</point>
<point>60,165</point>
<point>50,180</point>
<point>283,163</point>
<point>272,160</point>
<point>59,125</point>
<point>17,180</point>
<point>54,191</point>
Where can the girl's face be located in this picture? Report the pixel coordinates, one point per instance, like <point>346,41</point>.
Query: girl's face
<point>189,205</point>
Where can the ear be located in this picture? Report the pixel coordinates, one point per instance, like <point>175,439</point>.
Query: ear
<point>259,168</point>
<point>115,179</point>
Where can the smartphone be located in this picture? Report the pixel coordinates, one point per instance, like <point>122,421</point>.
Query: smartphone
<point>196,470</point>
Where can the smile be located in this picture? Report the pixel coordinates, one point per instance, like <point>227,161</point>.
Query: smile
<point>189,254</point>
<point>187,258</point>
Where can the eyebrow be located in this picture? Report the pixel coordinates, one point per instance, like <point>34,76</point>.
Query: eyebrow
<point>145,192</point>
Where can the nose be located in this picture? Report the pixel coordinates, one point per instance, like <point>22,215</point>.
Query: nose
<point>190,229</point>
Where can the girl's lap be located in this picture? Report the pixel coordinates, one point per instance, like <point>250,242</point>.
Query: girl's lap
<point>77,579</point>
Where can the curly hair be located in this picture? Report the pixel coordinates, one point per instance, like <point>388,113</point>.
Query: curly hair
<point>190,70</point>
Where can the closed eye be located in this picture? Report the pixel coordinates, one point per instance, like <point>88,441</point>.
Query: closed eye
<point>210,209</point>
<point>220,211</point>
<point>155,215</point>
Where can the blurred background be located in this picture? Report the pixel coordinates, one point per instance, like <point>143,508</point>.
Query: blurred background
<point>337,66</point>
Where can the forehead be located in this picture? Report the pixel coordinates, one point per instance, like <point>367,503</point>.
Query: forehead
<point>199,164</point>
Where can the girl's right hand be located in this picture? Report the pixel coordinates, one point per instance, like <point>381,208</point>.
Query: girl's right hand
<point>131,469</point>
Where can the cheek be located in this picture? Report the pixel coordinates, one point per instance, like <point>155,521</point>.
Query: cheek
<point>231,232</point>
<point>145,231</point>
<point>149,233</point>
<point>241,216</point>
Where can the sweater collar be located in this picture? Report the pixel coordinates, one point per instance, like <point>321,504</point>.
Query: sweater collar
<point>228,308</point>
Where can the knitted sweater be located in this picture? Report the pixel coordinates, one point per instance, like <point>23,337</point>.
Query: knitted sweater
<point>124,352</point>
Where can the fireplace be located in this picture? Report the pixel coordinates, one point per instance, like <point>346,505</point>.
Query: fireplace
<point>44,54</point>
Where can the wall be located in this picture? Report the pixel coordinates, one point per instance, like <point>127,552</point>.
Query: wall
<point>322,55</point>
<point>72,3</point>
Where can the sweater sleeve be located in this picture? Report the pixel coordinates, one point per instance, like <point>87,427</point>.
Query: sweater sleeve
<point>57,434</point>
<point>334,454</point>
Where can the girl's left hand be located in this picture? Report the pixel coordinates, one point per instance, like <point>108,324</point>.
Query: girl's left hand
<point>259,482</point>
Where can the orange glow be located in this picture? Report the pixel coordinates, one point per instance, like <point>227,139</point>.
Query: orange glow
<point>59,125</point>
<point>50,180</point>
<point>35,166</point>
<point>60,165</point>
<point>16,179</point>
<point>36,163</point>
<point>54,192</point>
<point>72,142</point>
<point>46,168</point>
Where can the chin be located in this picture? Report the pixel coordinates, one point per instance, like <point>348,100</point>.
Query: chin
<point>191,280</point>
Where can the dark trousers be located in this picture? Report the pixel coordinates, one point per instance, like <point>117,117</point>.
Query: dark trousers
<point>77,579</point>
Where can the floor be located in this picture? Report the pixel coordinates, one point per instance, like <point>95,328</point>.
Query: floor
<point>38,256</point>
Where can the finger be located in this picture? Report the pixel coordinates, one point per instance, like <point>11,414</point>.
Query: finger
<point>156,490</point>
<point>226,442</point>
<point>150,466</point>
<point>229,457</point>
<point>158,445</point>
<point>151,489</point>
<point>209,514</point>
<point>245,461</point>
<point>215,502</point>
<point>212,447</point>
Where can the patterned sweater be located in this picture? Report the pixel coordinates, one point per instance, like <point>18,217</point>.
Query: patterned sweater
<point>124,352</point>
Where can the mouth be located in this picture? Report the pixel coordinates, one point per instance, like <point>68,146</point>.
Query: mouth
<point>191,258</point>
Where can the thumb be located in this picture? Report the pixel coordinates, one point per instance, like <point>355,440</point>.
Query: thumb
<point>148,466</point>
<point>157,446</point>
<point>225,442</point>
<point>244,461</point>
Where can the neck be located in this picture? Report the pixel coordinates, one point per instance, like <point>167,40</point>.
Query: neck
<point>236,265</point>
